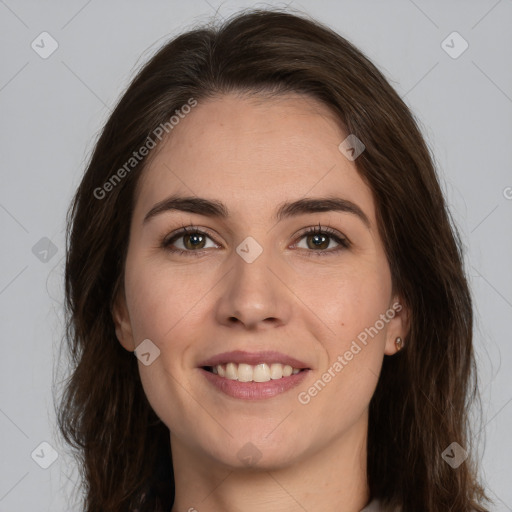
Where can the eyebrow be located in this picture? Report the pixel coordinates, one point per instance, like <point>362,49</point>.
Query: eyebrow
<point>217,209</point>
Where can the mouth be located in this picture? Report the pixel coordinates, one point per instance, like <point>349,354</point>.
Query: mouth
<point>262,372</point>
<point>253,376</point>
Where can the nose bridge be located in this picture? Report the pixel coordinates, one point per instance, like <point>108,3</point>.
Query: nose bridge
<point>253,293</point>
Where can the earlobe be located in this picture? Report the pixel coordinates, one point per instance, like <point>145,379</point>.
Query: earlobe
<point>122,322</point>
<point>398,327</point>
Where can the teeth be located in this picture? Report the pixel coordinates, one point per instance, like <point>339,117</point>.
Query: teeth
<point>231,371</point>
<point>276,371</point>
<point>254,373</point>
<point>244,372</point>
<point>261,373</point>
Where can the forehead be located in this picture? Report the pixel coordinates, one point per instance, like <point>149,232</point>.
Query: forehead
<point>252,153</point>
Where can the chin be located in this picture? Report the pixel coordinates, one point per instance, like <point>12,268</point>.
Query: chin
<point>253,454</point>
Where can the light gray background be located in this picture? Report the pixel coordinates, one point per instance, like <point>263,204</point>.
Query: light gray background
<point>52,110</point>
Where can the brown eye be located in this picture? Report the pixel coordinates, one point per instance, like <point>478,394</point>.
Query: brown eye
<point>187,241</point>
<point>319,240</point>
<point>194,241</point>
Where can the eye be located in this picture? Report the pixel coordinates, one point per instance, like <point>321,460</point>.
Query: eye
<point>318,240</point>
<point>191,239</point>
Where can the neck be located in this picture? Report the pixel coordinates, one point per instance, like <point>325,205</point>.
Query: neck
<point>332,479</point>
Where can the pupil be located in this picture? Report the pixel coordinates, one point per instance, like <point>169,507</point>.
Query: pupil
<point>318,240</point>
<point>195,239</point>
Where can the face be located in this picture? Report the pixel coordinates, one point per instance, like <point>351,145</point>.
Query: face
<point>256,286</point>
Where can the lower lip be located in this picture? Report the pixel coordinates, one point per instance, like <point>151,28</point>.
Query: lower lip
<point>254,390</point>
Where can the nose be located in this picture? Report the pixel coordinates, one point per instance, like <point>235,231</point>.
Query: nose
<point>253,294</point>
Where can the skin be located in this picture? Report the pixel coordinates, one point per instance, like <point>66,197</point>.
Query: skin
<point>252,154</point>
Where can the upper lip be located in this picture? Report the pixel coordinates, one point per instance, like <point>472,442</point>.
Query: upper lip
<point>253,358</point>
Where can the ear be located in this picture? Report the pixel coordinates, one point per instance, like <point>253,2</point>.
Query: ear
<point>122,322</point>
<point>398,325</point>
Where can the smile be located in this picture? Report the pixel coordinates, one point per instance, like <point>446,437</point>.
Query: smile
<point>253,375</point>
<point>262,372</point>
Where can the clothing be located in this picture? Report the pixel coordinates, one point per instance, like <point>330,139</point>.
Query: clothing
<point>373,506</point>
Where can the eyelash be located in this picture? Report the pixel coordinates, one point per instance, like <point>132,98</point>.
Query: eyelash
<point>316,230</point>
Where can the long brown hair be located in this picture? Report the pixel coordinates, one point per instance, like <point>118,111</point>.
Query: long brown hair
<point>421,403</point>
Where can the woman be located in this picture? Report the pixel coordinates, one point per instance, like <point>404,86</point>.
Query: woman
<point>261,225</point>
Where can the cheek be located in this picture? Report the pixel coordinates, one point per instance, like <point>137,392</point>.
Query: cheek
<point>164,300</point>
<point>161,308</point>
<point>352,305</point>
<point>353,299</point>
<point>159,299</point>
